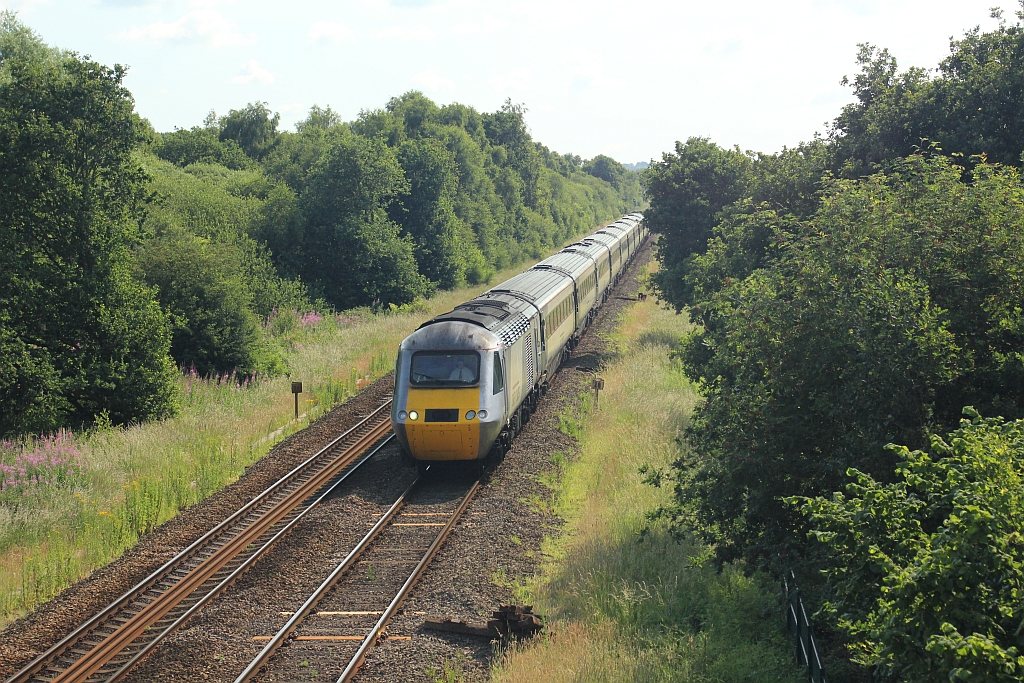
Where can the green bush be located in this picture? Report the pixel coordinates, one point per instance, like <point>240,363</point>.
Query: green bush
<point>79,335</point>
<point>201,286</point>
<point>929,570</point>
<point>200,145</point>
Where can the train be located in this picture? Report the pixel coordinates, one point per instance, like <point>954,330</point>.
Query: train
<point>467,381</point>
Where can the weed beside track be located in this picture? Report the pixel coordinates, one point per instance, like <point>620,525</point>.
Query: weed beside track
<point>628,601</point>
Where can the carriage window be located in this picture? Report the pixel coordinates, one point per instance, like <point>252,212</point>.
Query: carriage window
<point>440,369</point>
<point>498,381</point>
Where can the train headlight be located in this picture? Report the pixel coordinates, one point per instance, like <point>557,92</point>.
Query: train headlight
<point>482,414</point>
<point>402,414</point>
<point>470,414</point>
<point>413,415</point>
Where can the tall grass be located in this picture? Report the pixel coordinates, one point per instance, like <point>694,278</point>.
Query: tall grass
<point>70,503</point>
<point>628,606</point>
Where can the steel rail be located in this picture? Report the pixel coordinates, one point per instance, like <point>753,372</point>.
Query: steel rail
<point>82,668</point>
<point>371,638</point>
<point>244,567</point>
<point>260,661</point>
<point>165,573</point>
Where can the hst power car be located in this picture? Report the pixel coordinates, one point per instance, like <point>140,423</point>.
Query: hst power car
<point>467,381</point>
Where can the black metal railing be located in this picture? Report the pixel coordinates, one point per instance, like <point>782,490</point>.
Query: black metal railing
<point>800,628</point>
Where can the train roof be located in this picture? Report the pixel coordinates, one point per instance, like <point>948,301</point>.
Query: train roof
<point>610,237</point>
<point>451,334</point>
<point>536,287</point>
<point>570,263</point>
<point>591,247</point>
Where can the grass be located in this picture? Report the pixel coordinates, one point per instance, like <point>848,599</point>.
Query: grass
<point>69,508</point>
<point>629,606</point>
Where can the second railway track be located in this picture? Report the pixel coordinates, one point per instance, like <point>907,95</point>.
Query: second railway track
<point>360,595</point>
<point>107,646</point>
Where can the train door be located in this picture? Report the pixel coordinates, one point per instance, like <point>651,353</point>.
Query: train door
<point>529,360</point>
<point>514,372</point>
<point>498,379</point>
<point>538,336</point>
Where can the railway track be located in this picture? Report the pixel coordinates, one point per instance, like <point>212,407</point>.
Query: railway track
<point>367,588</point>
<point>107,646</point>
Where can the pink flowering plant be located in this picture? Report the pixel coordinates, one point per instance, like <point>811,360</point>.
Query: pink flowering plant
<point>40,464</point>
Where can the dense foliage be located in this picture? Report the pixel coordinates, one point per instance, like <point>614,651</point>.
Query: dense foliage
<point>854,291</point>
<point>78,335</point>
<point>929,569</point>
<point>125,252</point>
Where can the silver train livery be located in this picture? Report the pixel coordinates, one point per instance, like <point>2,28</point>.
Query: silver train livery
<point>467,381</point>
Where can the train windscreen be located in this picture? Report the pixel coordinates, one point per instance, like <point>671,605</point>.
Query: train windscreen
<point>440,369</point>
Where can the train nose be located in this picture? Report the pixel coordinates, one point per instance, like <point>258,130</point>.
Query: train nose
<point>444,441</point>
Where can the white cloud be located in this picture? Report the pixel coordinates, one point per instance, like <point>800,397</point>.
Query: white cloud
<point>406,34</point>
<point>208,25</point>
<point>331,31</point>
<point>431,81</point>
<point>585,69</point>
<point>23,5</point>
<point>254,72</point>
<point>513,79</point>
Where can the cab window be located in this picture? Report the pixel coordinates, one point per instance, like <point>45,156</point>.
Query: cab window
<point>440,369</point>
<point>499,380</point>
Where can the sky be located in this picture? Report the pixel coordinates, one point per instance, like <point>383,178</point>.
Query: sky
<point>625,78</point>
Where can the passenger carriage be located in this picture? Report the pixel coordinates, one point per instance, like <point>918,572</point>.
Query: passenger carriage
<point>467,381</point>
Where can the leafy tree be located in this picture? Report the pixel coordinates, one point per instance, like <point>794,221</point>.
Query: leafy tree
<point>79,335</point>
<point>200,284</point>
<point>319,120</point>
<point>444,246</point>
<point>822,342</point>
<point>344,208</point>
<point>687,191</point>
<point>884,122</point>
<point>928,569</point>
<point>200,145</point>
<point>294,154</point>
<point>252,128</point>
<point>415,111</point>
<point>972,106</point>
<point>606,169</point>
<point>506,130</point>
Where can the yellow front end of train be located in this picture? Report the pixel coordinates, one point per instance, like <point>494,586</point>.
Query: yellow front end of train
<point>441,430</point>
<point>446,405</point>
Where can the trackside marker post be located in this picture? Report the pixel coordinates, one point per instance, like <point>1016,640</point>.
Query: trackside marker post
<point>598,384</point>
<point>296,390</point>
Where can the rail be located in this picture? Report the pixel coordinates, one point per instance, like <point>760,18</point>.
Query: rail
<point>393,601</point>
<point>112,642</point>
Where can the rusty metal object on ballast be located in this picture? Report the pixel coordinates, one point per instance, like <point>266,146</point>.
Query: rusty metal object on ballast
<point>514,620</point>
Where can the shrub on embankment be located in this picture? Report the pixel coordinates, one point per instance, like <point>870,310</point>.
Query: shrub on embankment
<point>852,292</point>
<point>626,599</point>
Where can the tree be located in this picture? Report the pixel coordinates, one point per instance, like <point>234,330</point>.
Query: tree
<point>80,336</point>
<point>973,105</point>
<point>200,284</point>
<point>427,213</point>
<point>687,191</point>
<point>353,254</point>
<point>252,128</point>
<point>415,111</point>
<point>606,169</point>
<point>200,145</point>
<point>928,570</point>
